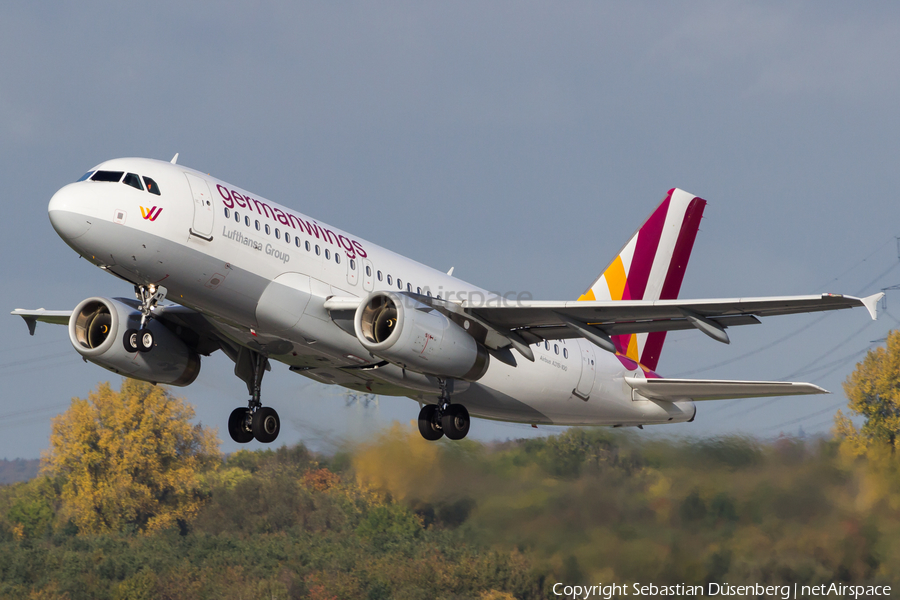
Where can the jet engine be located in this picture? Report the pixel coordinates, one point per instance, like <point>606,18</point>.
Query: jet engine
<point>415,336</point>
<point>97,329</point>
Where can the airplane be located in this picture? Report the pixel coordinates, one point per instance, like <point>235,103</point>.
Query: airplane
<point>216,267</point>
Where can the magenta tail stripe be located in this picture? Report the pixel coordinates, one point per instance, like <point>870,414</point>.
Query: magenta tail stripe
<point>645,251</point>
<point>675,275</point>
<point>683,247</point>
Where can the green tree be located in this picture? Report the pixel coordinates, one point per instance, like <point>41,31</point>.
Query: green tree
<point>874,392</point>
<point>129,459</point>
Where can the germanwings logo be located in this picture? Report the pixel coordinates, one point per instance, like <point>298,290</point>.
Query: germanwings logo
<point>151,213</point>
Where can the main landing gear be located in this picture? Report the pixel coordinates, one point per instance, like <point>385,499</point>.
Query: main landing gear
<point>141,340</point>
<point>255,421</point>
<point>443,418</point>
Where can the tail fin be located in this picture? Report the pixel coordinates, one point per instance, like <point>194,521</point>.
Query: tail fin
<point>651,267</point>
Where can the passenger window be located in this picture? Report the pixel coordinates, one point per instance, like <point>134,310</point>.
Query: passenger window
<point>390,281</point>
<point>307,246</point>
<point>318,250</point>
<point>428,292</point>
<point>134,181</point>
<point>337,258</point>
<point>112,176</point>
<point>85,176</point>
<point>546,345</point>
<point>227,213</point>
<point>368,271</point>
<point>556,348</point>
<point>409,287</point>
<point>565,353</point>
<point>237,216</point>
<point>151,186</point>
<point>257,224</point>
<point>268,229</point>
<point>247,221</point>
<point>379,275</point>
<point>419,291</point>
<point>399,284</point>
<point>297,241</point>
<point>352,264</point>
<point>277,233</point>
<point>327,254</point>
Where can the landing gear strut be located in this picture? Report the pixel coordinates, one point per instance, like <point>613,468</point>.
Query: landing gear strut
<point>443,418</point>
<point>255,421</point>
<point>141,340</point>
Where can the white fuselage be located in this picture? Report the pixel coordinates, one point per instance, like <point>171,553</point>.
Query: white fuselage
<point>261,274</point>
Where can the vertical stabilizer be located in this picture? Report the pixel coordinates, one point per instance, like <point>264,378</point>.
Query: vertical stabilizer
<point>651,267</point>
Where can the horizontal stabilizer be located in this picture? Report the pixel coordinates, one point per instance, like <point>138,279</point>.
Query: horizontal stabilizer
<point>672,390</point>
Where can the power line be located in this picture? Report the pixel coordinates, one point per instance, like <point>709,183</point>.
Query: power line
<point>21,348</point>
<point>834,348</point>
<point>788,335</point>
<point>805,417</point>
<point>26,361</point>
<point>873,253</point>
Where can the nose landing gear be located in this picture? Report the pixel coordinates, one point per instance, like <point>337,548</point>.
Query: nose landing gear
<point>141,340</point>
<point>255,421</point>
<point>443,418</point>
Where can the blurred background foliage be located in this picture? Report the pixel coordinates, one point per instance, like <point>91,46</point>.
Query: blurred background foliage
<point>399,517</point>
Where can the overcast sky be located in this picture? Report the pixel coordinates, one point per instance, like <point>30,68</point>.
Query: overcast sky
<point>520,142</point>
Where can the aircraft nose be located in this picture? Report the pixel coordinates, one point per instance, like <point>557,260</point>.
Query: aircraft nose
<point>65,216</point>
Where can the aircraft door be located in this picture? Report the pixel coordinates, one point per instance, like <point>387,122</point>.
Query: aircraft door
<point>588,370</point>
<point>352,270</point>
<point>368,275</point>
<point>202,226</point>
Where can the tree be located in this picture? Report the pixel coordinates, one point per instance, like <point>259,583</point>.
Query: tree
<point>874,392</point>
<point>129,458</point>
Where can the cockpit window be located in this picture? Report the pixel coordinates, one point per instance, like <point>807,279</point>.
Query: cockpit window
<point>151,186</point>
<point>134,181</point>
<point>114,176</point>
<point>85,176</point>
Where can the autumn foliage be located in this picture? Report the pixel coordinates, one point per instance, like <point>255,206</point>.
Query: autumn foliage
<point>396,517</point>
<point>129,458</point>
<point>874,393</point>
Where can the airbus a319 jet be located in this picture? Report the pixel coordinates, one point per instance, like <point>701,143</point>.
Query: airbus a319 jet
<point>215,267</point>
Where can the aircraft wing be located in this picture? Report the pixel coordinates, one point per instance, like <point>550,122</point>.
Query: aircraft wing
<point>57,317</point>
<point>203,338</point>
<point>535,321</point>
<point>672,390</point>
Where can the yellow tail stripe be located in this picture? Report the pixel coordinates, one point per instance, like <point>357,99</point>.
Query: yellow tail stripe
<point>633,348</point>
<point>615,278</point>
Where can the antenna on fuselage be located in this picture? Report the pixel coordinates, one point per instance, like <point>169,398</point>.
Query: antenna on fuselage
<point>174,159</point>
<point>450,272</point>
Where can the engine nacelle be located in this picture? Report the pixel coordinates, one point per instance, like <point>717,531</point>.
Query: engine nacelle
<point>415,336</point>
<point>97,329</point>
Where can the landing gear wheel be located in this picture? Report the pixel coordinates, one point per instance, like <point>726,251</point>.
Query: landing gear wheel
<point>266,425</point>
<point>455,421</point>
<point>145,340</point>
<point>429,425</point>
<point>130,340</point>
<point>238,426</point>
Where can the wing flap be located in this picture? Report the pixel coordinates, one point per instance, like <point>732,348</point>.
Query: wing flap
<point>672,390</point>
